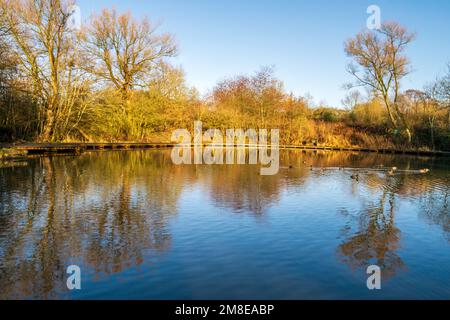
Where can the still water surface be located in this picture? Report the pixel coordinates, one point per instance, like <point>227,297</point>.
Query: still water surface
<point>141,227</point>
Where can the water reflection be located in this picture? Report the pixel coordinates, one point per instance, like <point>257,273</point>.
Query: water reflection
<point>436,207</point>
<point>377,238</point>
<point>113,211</point>
<point>103,211</point>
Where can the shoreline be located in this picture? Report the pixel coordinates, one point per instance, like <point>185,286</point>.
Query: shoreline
<point>24,150</point>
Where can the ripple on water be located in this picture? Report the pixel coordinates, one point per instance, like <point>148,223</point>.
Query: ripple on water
<point>141,227</point>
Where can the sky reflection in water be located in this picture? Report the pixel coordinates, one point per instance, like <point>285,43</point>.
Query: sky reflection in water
<point>140,227</point>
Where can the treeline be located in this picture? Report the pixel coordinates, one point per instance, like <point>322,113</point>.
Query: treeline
<point>112,80</point>
<point>109,80</point>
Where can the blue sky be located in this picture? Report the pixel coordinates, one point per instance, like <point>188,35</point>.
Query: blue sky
<point>303,40</point>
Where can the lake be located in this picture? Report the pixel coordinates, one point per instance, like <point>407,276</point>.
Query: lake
<point>140,227</point>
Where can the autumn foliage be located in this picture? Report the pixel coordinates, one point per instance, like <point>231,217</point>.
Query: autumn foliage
<point>114,80</point>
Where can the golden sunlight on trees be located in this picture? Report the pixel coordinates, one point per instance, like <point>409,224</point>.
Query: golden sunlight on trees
<point>258,96</point>
<point>114,80</point>
<point>381,65</point>
<point>46,54</point>
<point>124,51</point>
<point>127,55</point>
<point>436,104</point>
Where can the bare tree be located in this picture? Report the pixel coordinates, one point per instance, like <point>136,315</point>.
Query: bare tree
<point>267,89</point>
<point>415,98</point>
<point>435,100</point>
<point>352,99</point>
<point>123,51</point>
<point>7,74</point>
<point>381,65</point>
<point>443,91</point>
<point>5,52</point>
<point>45,49</point>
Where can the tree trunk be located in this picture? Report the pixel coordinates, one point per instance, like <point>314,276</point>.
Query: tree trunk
<point>408,134</point>
<point>49,126</point>
<point>403,122</point>
<point>431,121</point>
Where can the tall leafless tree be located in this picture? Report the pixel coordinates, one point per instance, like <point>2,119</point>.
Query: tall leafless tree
<point>124,51</point>
<point>380,64</point>
<point>352,99</point>
<point>44,46</point>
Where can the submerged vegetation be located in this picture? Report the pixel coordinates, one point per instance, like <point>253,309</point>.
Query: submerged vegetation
<point>113,80</point>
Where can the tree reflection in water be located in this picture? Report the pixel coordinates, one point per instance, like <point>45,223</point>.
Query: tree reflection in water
<point>102,211</point>
<point>111,211</point>
<point>436,206</point>
<point>377,238</point>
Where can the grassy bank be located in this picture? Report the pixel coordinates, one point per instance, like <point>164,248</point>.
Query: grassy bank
<point>305,132</point>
